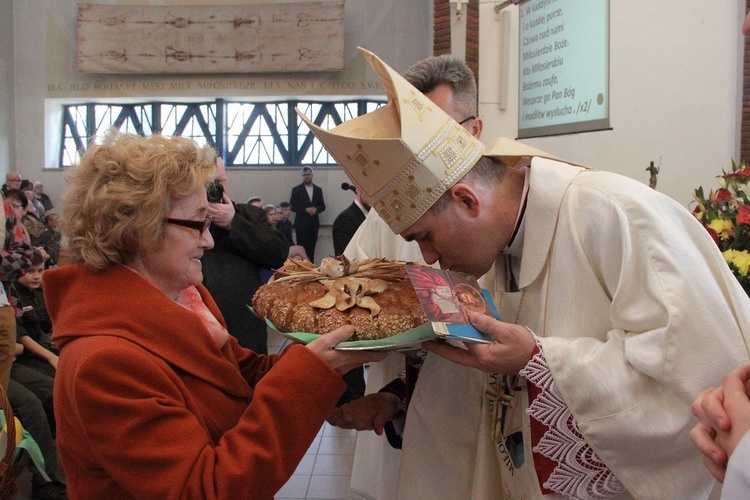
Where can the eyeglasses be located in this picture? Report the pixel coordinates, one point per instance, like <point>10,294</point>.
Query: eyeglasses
<point>472,117</point>
<point>198,225</point>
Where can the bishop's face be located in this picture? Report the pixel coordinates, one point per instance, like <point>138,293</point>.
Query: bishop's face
<point>459,237</point>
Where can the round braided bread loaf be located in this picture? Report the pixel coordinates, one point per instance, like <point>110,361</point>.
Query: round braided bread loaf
<point>375,296</point>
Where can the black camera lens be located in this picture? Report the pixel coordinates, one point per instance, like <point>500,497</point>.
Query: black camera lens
<point>215,192</point>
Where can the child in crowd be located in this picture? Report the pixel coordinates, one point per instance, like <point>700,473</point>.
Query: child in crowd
<point>32,321</point>
<point>32,373</point>
<point>273,213</point>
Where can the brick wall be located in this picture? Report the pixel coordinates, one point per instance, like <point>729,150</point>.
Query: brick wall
<point>745,131</point>
<point>442,31</point>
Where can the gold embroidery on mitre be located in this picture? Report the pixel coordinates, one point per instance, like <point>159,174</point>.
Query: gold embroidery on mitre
<point>413,191</point>
<point>462,142</point>
<point>384,210</point>
<point>417,161</point>
<point>433,193</point>
<point>361,159</point>
<point>450,156</point>
<point>395,205</point>
<point>417,104</point>
<point>454,149</point>
<point>440,162</point>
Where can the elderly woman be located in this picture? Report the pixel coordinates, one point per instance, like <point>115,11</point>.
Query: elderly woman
<point>154,398</point>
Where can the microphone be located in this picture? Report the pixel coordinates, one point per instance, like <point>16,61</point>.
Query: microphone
<point>346,186</point>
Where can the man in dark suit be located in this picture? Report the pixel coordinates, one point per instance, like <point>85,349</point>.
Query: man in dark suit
<point>243,243</point>
<point>307,203</point>
<point>344,227</point>
<point>349,220</point>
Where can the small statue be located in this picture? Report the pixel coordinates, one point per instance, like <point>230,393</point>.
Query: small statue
<point>654,171</point>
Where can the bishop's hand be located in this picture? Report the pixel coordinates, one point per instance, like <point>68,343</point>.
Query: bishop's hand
<point>507,354</point>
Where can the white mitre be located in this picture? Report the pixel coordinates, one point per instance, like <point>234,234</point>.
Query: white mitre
<point>406,154</point>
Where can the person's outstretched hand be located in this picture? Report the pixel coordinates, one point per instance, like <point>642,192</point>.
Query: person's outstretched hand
<point>341,361</point>
<point>368,413</point>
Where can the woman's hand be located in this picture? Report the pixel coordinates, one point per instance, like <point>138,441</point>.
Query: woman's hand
<point>341,361</point>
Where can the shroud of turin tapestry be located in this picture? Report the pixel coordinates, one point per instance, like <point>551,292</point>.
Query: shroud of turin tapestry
<point>287,37</point>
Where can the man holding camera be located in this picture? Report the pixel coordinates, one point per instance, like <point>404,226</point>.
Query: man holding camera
<point>243,243</point>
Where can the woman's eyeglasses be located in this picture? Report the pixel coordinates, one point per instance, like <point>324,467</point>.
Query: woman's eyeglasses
<point>198,225</point>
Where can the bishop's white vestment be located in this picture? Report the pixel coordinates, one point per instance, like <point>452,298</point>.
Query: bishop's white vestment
<point>636,313</point>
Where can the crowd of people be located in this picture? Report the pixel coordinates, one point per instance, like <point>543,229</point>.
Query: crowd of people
<point>28,360</point>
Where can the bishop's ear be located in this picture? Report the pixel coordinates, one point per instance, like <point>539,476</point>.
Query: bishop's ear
<point>467,196</point>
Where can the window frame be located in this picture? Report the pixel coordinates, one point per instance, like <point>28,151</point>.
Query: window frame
<point>292,143</point>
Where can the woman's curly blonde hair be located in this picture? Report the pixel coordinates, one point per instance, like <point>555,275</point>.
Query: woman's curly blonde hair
<point>119,196</point>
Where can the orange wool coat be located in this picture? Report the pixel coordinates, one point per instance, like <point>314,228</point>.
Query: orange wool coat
<point>148,407</point>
